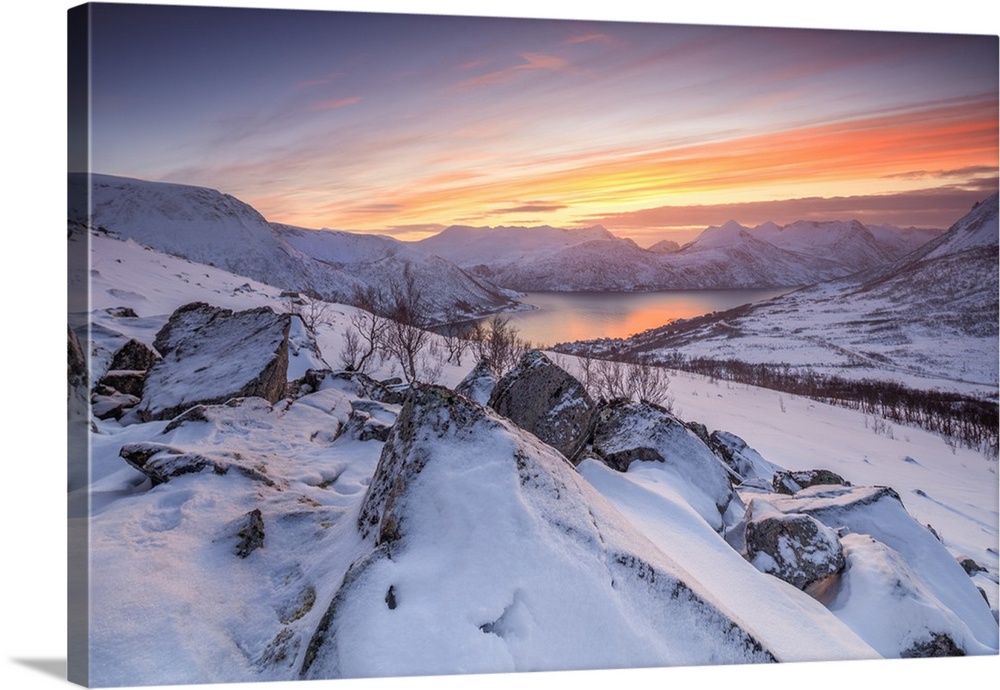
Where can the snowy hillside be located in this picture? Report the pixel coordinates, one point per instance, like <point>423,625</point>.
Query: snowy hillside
<point>212,228</point>
<point>928,319</point>
<point>342,528</point>
<point>729,256</point>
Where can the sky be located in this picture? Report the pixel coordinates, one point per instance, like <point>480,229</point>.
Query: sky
<point>405,124</point>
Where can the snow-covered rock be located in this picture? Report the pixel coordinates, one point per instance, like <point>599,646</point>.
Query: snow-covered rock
<point>541,397</point>
<point>791,481</point>
<point>628,432</point>
<point>478,384</point>
<point>746,462</point>
<point>211,355</point>
<point>890,547</point>
<point>795,548</point>
<point>490,553</point>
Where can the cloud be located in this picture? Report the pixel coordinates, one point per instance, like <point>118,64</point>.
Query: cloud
<point>588,38</point>
<point>334,103</point>
<point>532,62</point>
<point>935,208</point>
<point>958,172</point>
<point>377,208</point>
<point>532,207</point>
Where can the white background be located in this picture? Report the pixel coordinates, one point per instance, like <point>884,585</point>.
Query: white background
<point>32,454</point>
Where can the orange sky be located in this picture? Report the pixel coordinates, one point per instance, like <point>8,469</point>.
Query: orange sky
<point>404,125</point>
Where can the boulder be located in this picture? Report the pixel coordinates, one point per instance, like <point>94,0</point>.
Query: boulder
<point>211,355</point>
<point>108,403</point>
<point>122,312</point>
<point>478,384</point>
<point>747,463</point>
<point>541,397</point>
<point>790,481</point>
<point>128,382</point>
<point>795,548</point>
<point>134,356</point>
<point>161,462</point>
<point>626,432</point>
<point>894,560</point>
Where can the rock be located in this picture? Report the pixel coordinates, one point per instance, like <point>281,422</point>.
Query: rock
<point>364,427</point>
<point>161,462</point>
<point>76,367</point>
<point>542,398</point>
<point>795,548</point>
<point>122,312</point>
<point>478,384</point>
<point>365,386</point>
<point>700,430</point>
<point>938,644</point>
<point>788,481</point>
<point>747,463</point>
<point>211,355</point>
<point>107,403</point>
<point>627,432</point>
<point>892,558</point>
<point>124,381</point>
<point>134,356</point>
<point>250,533</point>
<point>970,566</point>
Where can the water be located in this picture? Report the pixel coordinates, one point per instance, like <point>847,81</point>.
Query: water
<point>566,316</point>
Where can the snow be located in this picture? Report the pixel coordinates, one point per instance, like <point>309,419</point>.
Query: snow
<point>172,602</point>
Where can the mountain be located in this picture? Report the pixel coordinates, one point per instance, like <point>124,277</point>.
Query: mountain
<point>849,243</point>
<point>216,229</point>
<point>729,256</point>
<point>928,317</point>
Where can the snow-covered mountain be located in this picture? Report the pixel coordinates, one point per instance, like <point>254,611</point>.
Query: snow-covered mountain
<point>929,319</point>
<point>728,256</point>
<point>212,228</point>
<point>334,530</point>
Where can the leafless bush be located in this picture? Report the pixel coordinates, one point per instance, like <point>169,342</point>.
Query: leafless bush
<point>314,312</point>
<point>498,342</point>
<point>406,335</point>
<point>365,341</point>
<point>610,379</point>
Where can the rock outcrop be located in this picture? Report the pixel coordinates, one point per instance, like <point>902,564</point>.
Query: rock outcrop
<point>922,592</point>
<point>795,548</point>
<point>465,502</point>
<point>211,355</point>
<point>788,481</point>
<point>628,432</point>
<point>541,397</point>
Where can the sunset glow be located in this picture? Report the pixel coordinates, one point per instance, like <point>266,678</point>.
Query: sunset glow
<point>405,125</point>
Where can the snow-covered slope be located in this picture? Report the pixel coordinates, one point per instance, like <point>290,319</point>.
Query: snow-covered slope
<point>504,555</point>
<point>212,228</point>
<point>728,256</point>
<point>928,319</point>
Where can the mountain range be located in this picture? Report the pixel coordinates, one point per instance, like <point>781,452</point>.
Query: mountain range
<point>216,229</point>
<point>728,256</point>
<point>930,316</point>
<point>464,272</point>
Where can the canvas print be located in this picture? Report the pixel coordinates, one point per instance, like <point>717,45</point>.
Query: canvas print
<point>406,345</point>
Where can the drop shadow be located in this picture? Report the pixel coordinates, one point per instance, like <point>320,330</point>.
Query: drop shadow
<point>50,667</point>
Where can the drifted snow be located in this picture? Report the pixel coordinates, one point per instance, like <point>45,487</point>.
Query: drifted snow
<point>171,601</point>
